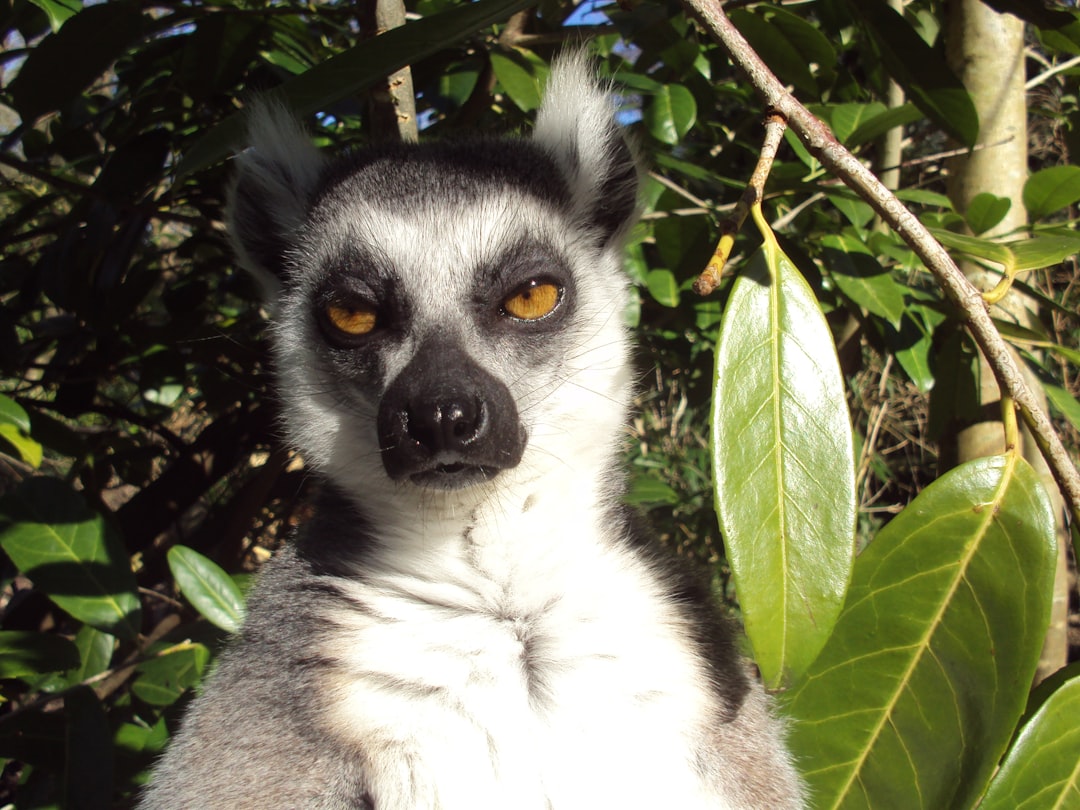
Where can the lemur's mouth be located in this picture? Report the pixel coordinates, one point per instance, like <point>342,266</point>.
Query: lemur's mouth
<point>454,476</point>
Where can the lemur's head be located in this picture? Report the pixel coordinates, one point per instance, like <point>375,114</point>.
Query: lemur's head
<point>448,313</point>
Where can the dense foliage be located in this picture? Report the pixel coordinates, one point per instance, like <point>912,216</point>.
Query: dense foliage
<point>139,460</point>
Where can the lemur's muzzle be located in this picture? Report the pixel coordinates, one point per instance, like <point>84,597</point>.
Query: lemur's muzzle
<point>447,423</point>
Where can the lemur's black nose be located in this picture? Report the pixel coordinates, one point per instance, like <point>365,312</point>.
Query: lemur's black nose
<point>447,423</point>
<point>451,423</point>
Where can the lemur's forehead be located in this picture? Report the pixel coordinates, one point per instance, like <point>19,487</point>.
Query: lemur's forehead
<point>430,244</point>
<point>438,215</point>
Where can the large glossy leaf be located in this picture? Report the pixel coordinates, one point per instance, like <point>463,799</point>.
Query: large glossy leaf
<point>783,464</point>
<point>920,70</point>
<point>209,589</point>
<point>66,551</point>
<point>917,693</point>
<point>1042,769</point>
<point>356,69</point>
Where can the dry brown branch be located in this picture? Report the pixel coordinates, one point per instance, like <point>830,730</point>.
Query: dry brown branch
<point>755,190</point>
<point>821,143</point>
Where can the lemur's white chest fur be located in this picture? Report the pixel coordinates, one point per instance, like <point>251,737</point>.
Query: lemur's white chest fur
<point>520,665</point>
<point>470,620</point>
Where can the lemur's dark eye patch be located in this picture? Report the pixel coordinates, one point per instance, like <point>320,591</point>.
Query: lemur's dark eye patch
<point>352,319</point>
<point>535,299</point>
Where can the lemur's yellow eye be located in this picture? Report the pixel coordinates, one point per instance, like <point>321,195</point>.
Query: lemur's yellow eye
<point>351,319</point>
<point>533,301</point>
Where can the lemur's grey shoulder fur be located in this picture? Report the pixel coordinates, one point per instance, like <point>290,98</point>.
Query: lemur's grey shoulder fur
<point>470,620</point>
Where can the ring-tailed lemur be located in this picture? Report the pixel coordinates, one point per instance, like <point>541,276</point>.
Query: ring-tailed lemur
<point>470,620</point>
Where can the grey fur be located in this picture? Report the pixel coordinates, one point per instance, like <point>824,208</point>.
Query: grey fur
<point>470,620</point>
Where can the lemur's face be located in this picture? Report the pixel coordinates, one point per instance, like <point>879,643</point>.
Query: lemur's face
<point>448,314</point>
<point>448,323</point>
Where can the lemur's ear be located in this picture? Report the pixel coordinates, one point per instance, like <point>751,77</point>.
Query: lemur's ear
<point>576,125</point>
<point>276,178</point>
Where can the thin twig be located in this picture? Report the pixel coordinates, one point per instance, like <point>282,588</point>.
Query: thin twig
<point>709,280</point>
<point>821,143</point>
<point>1056,69</point>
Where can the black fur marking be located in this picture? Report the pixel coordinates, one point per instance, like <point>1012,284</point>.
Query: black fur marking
<point>713,633</point>
<point>445,421</point>
<point>260,234</point>
<point>617,199</point>
<point>450,171</point>
<point>526,259</point>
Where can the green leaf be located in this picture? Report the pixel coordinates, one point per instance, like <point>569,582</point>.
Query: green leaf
<point>1064,402</point>
<point>58,11</point>
<point>15,430</point>
<point>356,69</point>
<point>63,64</point>
<point>912,344</point>
<point>1044,250</point>
<point>1051,190</point>
<point>647,490</point>
<point>916,695</point>
<point>663,287</point>
<point>162,680</point>
<point>66,551</point>
<point>685,243</point>
<point>670,113</point>
<point>783,464</point>
<point>1042,768</point>
<point>843,119</point>
<point>521,74</point>
<point>791,46</point>
<point>857,212</point>
<point>861,277</point>
<point>975,246</point>
<point>209,589</point>
<point>920,70</point>
<point>26,653</point>
<point>95,652</point>
<point>877,126</point>
<point>985,211</point>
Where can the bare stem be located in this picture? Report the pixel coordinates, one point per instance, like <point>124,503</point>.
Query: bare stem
<point>821,143</point>
<point>755,191</point>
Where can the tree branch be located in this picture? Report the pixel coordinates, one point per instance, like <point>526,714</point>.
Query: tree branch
<point>973,309</point>
<point>755,191</point>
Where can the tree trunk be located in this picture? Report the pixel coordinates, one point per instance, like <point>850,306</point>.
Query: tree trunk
<point>986,51</point>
